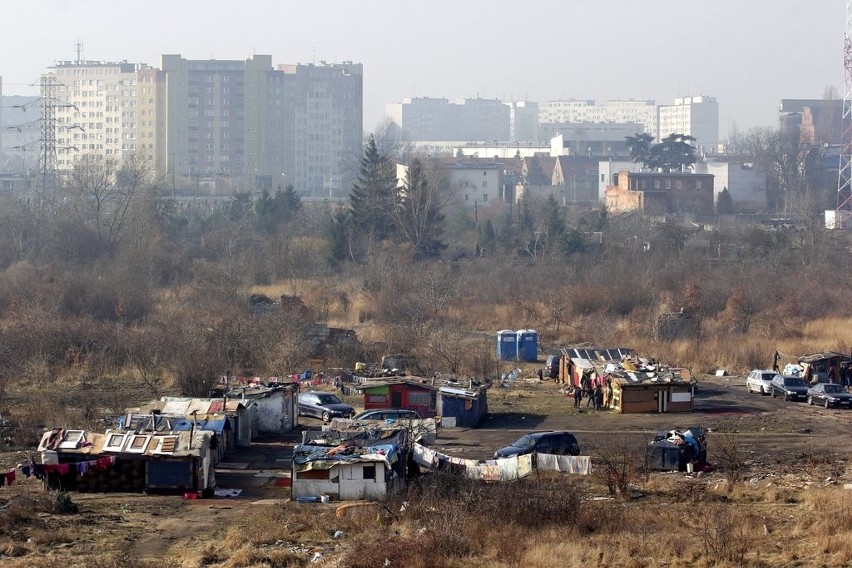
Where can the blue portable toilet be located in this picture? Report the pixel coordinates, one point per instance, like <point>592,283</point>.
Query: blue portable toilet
<point>507,345</point>
<point>527,343</point>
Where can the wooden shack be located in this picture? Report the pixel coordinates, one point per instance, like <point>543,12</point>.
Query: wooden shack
<point>629,398</point>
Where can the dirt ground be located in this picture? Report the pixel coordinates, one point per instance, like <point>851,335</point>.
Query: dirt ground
<point>780,436</point>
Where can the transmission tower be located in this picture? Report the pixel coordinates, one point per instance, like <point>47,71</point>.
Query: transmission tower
<point>843,213</point>
<point>47,162</point>
<point>49,125</point>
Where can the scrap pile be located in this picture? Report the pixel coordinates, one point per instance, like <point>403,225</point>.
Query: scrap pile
<point>677,450</point>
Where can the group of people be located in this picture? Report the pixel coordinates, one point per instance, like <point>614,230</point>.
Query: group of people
<point>597,392</point>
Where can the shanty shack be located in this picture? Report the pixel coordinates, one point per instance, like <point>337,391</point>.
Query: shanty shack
<point>235,422</point>
<point>119,460</point>
<point>350,466</point>
<point>277,405</point>
<point>464,406</point>
<point>824,367</point>
<point>651,396</point>
<point>464,402</point>
<point>410,394</point>
<point>631,384</point>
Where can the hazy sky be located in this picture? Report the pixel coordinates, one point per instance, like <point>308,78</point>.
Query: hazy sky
<point>747,53</point>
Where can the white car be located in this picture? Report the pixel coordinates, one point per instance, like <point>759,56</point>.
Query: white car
<point>760,380</point>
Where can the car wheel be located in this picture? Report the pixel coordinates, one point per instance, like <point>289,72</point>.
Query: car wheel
<point>810,401</point>
<point>786,397</point>
<point>763,391</point>
<point>827,405</point>
<point>326,416</point>
<point>772,393</point>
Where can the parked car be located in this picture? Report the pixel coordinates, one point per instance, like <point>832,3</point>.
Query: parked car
<point>760,380</point>
<point>788,387</point>
<point>559,443</point>
<point>551,366</point>
<point>829,394</point>
<point>387,413</point>
<point>323,405</point>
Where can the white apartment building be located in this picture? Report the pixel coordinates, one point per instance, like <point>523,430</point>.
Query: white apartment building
<point>695,116</point>
<point>215,124</point>
<point>641,111</point>
<point>97,109</point>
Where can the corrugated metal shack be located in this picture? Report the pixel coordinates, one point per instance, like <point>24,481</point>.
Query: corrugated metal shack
<point>119,460</point>
<point>235,422</point>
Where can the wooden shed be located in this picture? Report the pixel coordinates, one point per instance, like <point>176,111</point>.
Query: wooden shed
<point>650,396</point>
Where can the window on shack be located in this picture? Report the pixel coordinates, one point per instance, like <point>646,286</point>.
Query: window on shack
<point>368,472</point>
<point>419,399</point>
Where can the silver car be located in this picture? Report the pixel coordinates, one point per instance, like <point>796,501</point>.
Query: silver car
<point>760,380</point>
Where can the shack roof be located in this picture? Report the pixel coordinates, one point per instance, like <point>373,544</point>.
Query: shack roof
<point>823,356</point>
<point>338,447</point>
<point>120,442</point>
<point>183,406</point>
<point>445,385</point>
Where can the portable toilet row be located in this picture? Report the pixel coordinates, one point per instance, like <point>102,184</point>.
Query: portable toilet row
<point>521,345</point>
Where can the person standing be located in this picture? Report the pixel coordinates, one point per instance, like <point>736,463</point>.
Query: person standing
<point>598,397</point>
<point>578,396</point>
<point>775,359</point>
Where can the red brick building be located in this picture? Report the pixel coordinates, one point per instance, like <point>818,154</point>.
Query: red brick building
<point>659,192</point>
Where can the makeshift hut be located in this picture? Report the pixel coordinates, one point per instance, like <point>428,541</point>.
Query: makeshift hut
<point>277,405</point>
<point>825,367</point>
<point>410,394</point>
<point>463,407</point>
<point>457,402</point>
<point>234,421</point>
<point>350,466</point>
<point>118,460</point>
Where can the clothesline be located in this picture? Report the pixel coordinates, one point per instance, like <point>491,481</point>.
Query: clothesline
<point>40,470</point>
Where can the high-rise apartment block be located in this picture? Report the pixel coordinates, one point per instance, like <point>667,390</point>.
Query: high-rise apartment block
<point>432,119</point>
<point>695,116</point>
<point>224,124</point>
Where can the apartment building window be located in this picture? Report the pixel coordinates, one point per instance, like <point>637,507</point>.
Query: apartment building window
<point>668,184</point>
<point>678,184</point>
<point>484,197</point>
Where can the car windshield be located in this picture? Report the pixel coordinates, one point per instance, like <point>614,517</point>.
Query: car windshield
<point>525,442</point>
<point>833,388</point>
<point>768,376</point>
<point>328,399</point>
<point>793,382</point>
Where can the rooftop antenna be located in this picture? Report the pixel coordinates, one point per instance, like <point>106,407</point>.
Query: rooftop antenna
<point>78,51</point>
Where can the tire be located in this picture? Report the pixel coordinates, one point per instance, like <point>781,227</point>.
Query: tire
<point>810,401</point>
<point>326,415</point>
<point>786,397</point>
<point>827,404</point>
